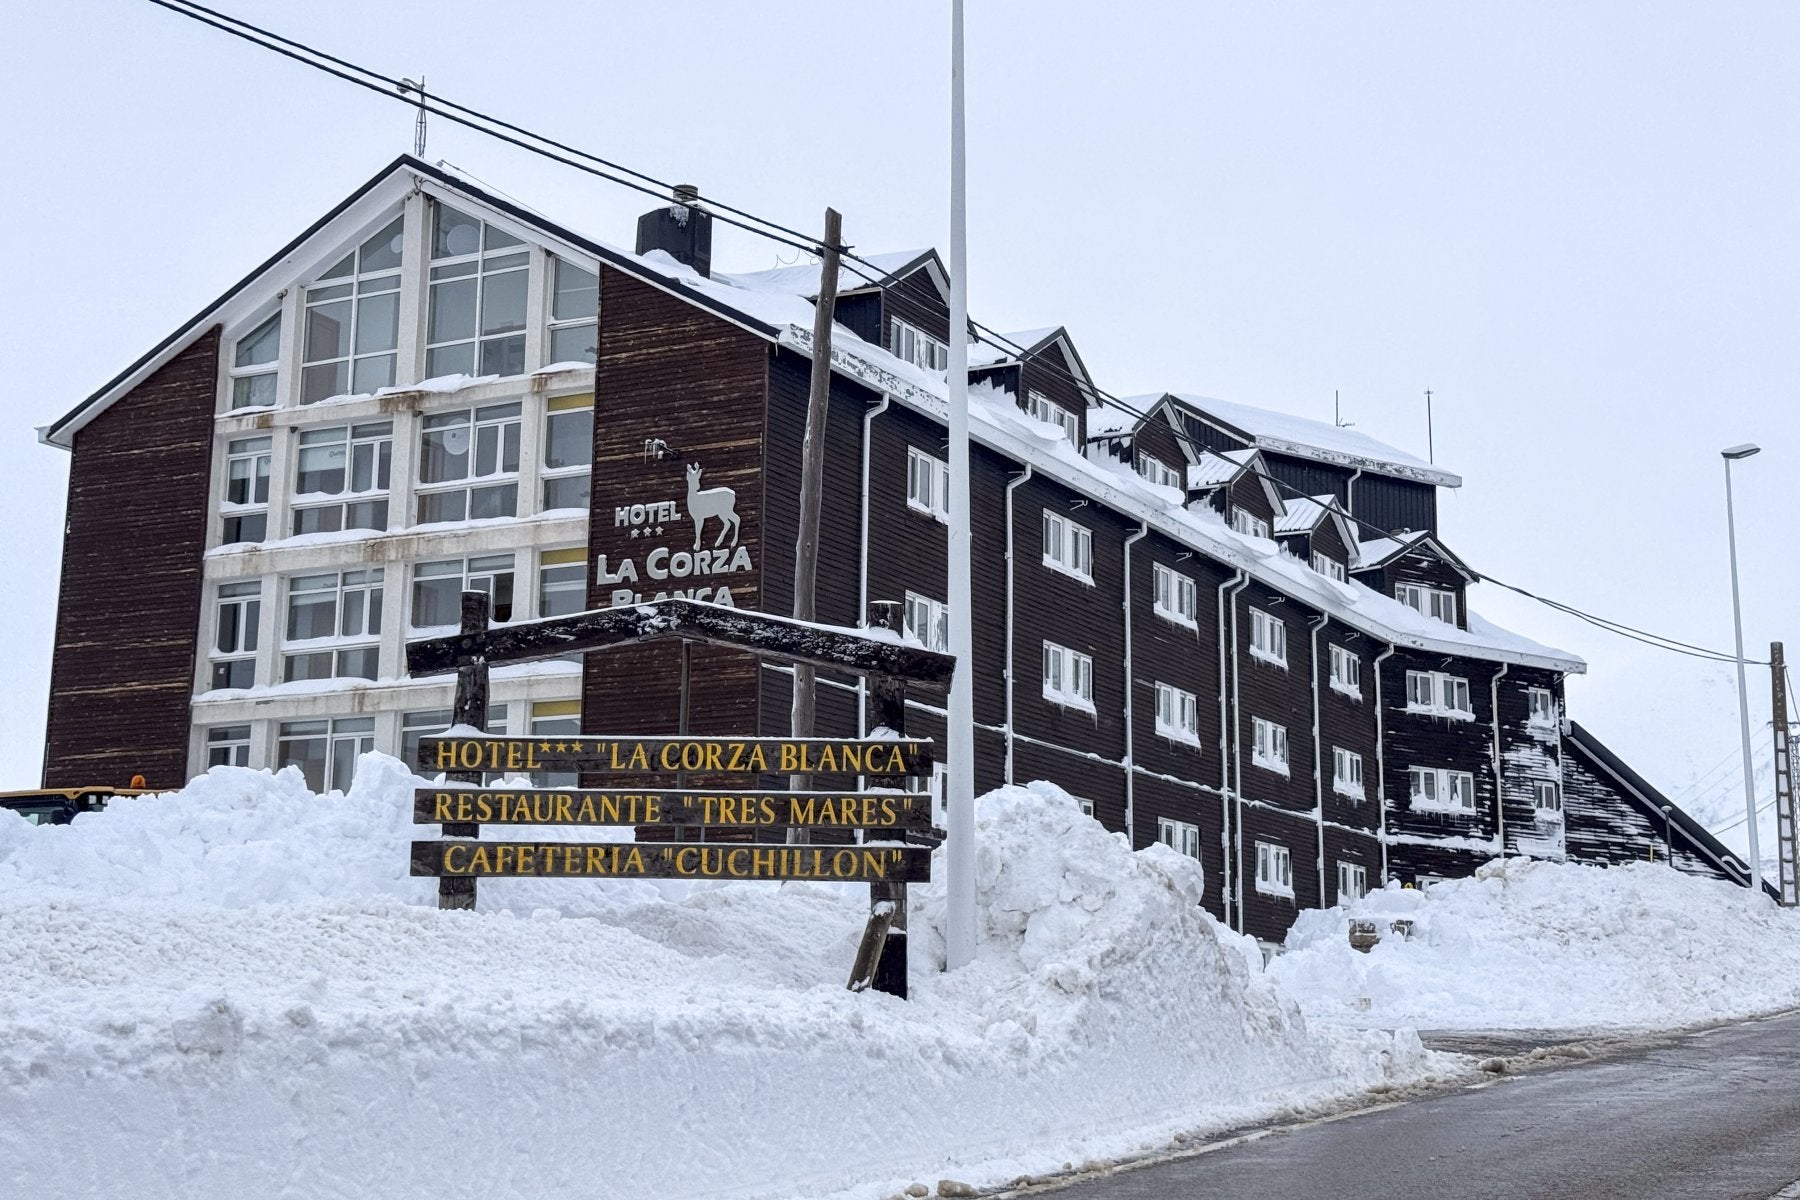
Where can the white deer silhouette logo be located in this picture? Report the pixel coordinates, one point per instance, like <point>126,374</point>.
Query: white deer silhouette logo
<point>720,502</point>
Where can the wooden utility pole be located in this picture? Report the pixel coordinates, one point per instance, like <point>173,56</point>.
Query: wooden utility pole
<point>471,709</point>
<point>812,484</point>
<point>1784,785</point>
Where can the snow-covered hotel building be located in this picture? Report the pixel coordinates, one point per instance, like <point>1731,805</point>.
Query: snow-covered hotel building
<point>1234,631</point>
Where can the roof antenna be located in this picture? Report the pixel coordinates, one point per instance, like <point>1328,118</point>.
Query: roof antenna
<point>1430,443</point>
<point>403,87</point>
<point>1337,414</point>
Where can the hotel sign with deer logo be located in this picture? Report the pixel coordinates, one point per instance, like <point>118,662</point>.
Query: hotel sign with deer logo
<point>686,548</point>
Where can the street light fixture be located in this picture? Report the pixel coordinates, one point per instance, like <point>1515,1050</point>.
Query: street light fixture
<point>1731,455</point>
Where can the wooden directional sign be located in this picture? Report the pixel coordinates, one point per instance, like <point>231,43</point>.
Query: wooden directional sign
<point>669,755</point>
<point>465,804</point>
<point>682,860</point>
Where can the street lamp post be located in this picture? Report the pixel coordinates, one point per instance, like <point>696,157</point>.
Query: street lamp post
<point>1731,455</point>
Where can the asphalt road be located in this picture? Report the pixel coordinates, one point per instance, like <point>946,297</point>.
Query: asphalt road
<point>1714,1114</point>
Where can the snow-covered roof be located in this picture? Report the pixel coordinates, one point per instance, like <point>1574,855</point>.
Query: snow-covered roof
<point>1107,419</point>
<point>1379,551</point>
<point>803,279</point>
<point>1305,512</point>
<point>1304,438</point>
<point>1217,468</point>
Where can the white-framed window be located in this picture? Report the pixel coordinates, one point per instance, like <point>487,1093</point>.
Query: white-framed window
<point>568,464</point>
<point>1329,567</point>
<point>236,615</point>
<point>1346,673</point>
<point>348,465</point>
<point>927,484</point>
<point>333,626</point>
<point>1268,638</point>
<point>912,344</point>
<point>480,275</point>
<point>438,587</point>
<point>574,313</point>
<point>1049,411</point>
<point>1177,714</point>
<point>1087,806</point>
<point>254,362</point>
<point>929,621</point>
<point>1156,470</point>
<point>432,722</point>
<point>1269,748</point>
<point>1176,597</point>
<point>1068,547</point>
<point>1274,870</point>
<point>1547,798</point>
<point>325,750</point>
<point>476,453</point>
<point>1347,773</point>
<point>1438,694</point>
<point>228,746</point>
<point>1068,677</point>
<point>245,506</point>
<point>1352,882</point>
<point>1541,704</point>
<point>562,582</point>
<point>1248,523</point>
<point>1433,602</point>
<point>1183,837</point>
<point>353,321</point>
<point>1442,790</point>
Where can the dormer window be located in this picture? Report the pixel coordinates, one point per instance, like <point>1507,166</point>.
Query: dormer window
<point>1432,602</point>
<point>1157,471</point>
<point>1248,523</point>
<point>253,365</point>
<point>1052,413</point>
<point>918,347</point>
<point>1330,567</point>
<point>479,276</point>
<point>353,321</point>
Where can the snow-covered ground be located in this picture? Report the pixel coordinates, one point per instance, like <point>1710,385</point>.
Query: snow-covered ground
<point>236,991</point>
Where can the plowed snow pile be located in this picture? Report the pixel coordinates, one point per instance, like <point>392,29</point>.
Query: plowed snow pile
<point>236,991</point>
<point>1538,945</point>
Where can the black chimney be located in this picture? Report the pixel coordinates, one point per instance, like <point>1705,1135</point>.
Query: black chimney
<point>683,230</point>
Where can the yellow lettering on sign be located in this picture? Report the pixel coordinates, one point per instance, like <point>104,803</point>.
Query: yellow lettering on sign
<point>452,866</point>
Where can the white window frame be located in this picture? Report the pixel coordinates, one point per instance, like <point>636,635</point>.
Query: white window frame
<point>248,372</point>
<point>1183,837</point>
<point>259,454</point>
<point>365,445</point>
<point>1068,677</point>
<point>1268,638</point>
<point>912,344</point>
<point>346,739</point>
<point>1177,714</point>
<point>1436,603</point>
<point>927,484</point>
<point>244,599</point>
<point>1540,706</point>
<point>228,746</point>
<point>554,325</point>
<point>487,266</point>
<point>477,573</point>
<point>369,585</point>
<point>1347,773</point>
<point>1269,745</point>
<point>1440,789</point>
<point>1437,694</point>
<point>1155,470</point>
<point>1248,523</point>
<point>1352,881</point>
<point>557,409</point>
<point>1174,596</point>
<point>1346,673</point>
<point>562,571</point>
<point>928,620</point>
<point>1044,409</point>
<point>504,421</point>
<point>1274,870</point>
<point>359,287</point>
<point>1329,567</point>
<point>1546,798</point>
<point>1068,547</point>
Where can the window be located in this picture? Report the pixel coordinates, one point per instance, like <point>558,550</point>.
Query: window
<point>432,722</point>
<point>1274,870</point>
<point>353,321</point>
<point>253,365</point>
<point>1329,567</point>
<point>1346,773</point>
<point>1441,790</point>
<point>1270,750</point>
<point>568,452</point>
<point>438,587</point>
<point>562,582</point>
<point>246,504</point>
<point>1248,523</point>
<point>1156,470</point>
<point>1542,706</point>
<point>1177,714</point>
<point>326,751</point>
<point>234,635</point>
<point>1087,806</point>
<point>919,348</point>
<point>228,746</point>
<point>1068,677</point>
<point>352,461</point>
<point>574,307</point>
<point>1352,881</point>
<point>1433,602</point>
<point>1182,837</point>
<point>1438,694</point>
<point>1548,800</point>
<point>479,444</point>
<point>1068,547</point>
<point>927,484</point>
<point>326,611</point>
<point>1175,595</point>
<point>556,719</point>
<point>1346,673</point>
<point>929,621</point>
<point>479,275</point>
<point>1047,410</point>
<point>1268,638</point>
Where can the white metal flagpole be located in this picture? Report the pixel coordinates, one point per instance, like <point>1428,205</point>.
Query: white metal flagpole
<point>959,733</point>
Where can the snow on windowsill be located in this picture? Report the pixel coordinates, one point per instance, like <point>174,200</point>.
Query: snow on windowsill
<point>1052,565</point>
<point>1268,764</point>
<point>1175,618</point>
<point>1064,700</point>
<point>1179,736</point>
<point>1262,655</point>
<point>1421,804</point>
<point>942,518</point>
<point>1275,889</point>
<point>1346,691</point>
<point>1550,816</point>
<point>1349,791</point>
<point>1438,710</point>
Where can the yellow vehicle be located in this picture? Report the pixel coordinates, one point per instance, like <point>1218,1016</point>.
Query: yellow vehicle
<point>59,806</point>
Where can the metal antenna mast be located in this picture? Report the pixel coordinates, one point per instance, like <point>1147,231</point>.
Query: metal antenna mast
<point>406,86</point>
<point>1430,441</point>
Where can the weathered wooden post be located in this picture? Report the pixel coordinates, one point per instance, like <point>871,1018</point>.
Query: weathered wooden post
<point>887,901</point>
<point>471,709</point>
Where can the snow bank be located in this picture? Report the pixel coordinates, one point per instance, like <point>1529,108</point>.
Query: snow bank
<point>1529,944</point>
<point>234,990</point>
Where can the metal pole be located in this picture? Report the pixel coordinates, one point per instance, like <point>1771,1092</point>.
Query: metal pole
<point>1737,622</point>
<point>1787,880</point>
<point>959,726</point>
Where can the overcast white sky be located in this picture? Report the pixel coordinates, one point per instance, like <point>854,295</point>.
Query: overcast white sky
<point>1575,223</point>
